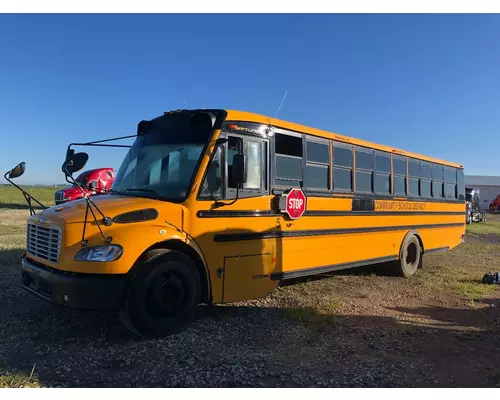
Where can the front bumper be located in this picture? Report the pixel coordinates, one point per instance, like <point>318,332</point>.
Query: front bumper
<point>71,290</point>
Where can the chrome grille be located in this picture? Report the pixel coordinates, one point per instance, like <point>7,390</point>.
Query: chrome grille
<point>44,241</point>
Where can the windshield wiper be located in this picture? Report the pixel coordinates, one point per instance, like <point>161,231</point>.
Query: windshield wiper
<point>157,196</point>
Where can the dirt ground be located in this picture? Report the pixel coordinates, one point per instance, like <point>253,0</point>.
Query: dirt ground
<point>359,328</point>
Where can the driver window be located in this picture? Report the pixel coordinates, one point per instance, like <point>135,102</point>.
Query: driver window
<point>211,189</point>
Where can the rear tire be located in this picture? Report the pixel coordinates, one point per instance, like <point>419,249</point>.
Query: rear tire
<point>410,257</point>
<point>163,296</point>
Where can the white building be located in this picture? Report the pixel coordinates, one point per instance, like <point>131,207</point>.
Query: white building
<point>489,187</point>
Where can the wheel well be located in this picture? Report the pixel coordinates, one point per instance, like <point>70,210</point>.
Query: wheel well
<point>415,233</point>
<point>182,247</point>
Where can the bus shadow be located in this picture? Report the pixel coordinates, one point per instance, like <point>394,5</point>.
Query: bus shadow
<point>381,269</point>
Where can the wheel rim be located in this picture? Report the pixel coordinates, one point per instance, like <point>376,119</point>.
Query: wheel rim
<point>411,255</point>
<point>166,295</point>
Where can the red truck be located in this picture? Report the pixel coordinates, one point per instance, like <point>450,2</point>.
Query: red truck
<point>94,182</point>
<point>495,204</point>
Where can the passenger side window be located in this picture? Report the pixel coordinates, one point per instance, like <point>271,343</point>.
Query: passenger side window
<point>316,174</point>
<point>437,181</point>
<point>425,179</point>
<point>364,170</point>
<point>450,185</point>
<point>382,182</point>
<point>288,150</point>
<point>342,167</point>
<point>399,170</point>
<point>414,177</point>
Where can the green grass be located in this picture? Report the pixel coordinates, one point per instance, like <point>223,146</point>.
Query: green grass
<point>320,312</point>
<point>460,272</point>
<point>19,380</point>
<point>474,290</point>
<point>11,197</point>
<point>482,228</point>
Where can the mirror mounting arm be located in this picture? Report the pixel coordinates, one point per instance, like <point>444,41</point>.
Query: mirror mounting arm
<point>218,204</point>
<point>99,143</point>
<point>106,220</point>
<point>26,195</point>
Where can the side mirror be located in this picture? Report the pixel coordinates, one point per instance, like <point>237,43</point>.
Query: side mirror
<point>91,185</point>
<point>69,153</point>
<point>239,170</point>
<point>75,163</point>
<point>17,171</point>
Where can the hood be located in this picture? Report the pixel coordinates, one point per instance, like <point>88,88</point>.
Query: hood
<point>70,217</point>
<point>131,231</point>
<point>110,205</point>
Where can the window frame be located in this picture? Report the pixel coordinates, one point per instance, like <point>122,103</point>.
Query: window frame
<point>230,193</point>
<point>376,172</point>
<point>275,178</point>
<point>311,139</point>
<point>350,169</point>
<point>395,175</point>
<point>438,181</point>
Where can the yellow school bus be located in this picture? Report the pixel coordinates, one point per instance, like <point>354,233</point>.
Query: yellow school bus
<point>217,206</point>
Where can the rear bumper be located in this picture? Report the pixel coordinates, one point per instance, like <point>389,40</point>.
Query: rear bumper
<point>77,291</point>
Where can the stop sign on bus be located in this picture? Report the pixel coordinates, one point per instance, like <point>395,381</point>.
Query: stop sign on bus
<point>295,203</point>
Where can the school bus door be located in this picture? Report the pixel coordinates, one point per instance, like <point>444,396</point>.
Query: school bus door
<point>231,232</point>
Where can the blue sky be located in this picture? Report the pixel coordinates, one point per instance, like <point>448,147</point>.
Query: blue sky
<point>424,83</point>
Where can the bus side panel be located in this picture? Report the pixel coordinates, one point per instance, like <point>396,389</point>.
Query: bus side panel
<point>326,241</point>
<point>219,235</point>
<point>437,239</point>
<point>247,277</point>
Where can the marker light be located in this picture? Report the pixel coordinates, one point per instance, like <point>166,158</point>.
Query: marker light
<point>100,253</point>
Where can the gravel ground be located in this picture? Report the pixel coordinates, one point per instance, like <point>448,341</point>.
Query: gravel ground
<point>355,329</point>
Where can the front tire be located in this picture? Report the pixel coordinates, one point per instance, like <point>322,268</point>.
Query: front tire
<point>163,296</point>
<point>410,257</point>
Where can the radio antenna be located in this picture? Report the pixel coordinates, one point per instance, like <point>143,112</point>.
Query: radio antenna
<point>282,100</point>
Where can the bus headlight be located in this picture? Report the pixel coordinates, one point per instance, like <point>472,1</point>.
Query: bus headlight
<point>105,253</point>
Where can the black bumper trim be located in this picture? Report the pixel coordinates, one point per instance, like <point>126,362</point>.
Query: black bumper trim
<point>78,291</point>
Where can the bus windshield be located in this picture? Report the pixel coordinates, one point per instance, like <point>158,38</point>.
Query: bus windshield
<point>162,161</point>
